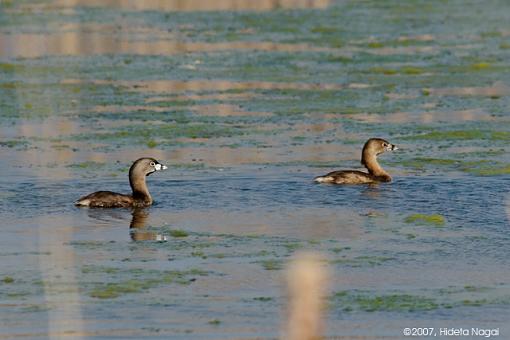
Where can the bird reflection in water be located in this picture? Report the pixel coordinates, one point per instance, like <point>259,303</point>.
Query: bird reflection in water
<point>138,225</point>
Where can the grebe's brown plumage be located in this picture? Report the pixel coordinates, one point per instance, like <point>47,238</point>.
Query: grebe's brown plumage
<point>140,196</point>
<point>376,174</point>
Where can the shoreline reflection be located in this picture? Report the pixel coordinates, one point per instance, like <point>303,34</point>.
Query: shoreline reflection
<point>197,5</point>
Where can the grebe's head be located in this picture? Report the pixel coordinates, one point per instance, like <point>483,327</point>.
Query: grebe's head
<point>376,146</point>
<point>145,167</point>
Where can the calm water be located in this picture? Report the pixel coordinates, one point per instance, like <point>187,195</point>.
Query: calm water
<point>247,102</point>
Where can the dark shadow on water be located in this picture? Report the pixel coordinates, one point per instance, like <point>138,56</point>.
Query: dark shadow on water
<point>106,216</point>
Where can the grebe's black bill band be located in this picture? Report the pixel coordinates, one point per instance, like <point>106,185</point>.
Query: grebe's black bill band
<point>159,167</point>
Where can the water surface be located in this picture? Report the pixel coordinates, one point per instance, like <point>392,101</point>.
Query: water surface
<point>246,103</point>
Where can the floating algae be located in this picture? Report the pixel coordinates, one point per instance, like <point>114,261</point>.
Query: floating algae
<point>435,219</point>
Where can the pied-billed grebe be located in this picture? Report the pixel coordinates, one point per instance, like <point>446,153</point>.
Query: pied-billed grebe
<point>373,147</point>
<point>140,197</point>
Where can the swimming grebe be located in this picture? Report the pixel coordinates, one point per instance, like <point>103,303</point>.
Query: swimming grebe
<point>139,198</point>
<point>372,148</point>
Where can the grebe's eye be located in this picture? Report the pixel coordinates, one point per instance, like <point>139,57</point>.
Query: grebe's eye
<point>153,164</point>
<point>385,144</point>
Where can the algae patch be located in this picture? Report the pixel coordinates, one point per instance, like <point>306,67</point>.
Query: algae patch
<point>14,143</point>
<point>178,233</point>
<point>113,290</point>
<point>462,135</point>
<point>407,70</point>
<point>169,131</point>
<point>272,264</point>
<point>8,68</point>
<point>151,144</point>
<point>417,301</point>
<point>480,66</point>
<point>481,167</point>
<point>491,171</point>
<point>144,280</point>
<point>35,308</point>
<point>337,250</point>
<point>423,219</point>
<point>363,301</point>
<point>7,280</point>
<point>420,163</point>
<point>86,165</point>
<point>362,261</point>
<point>99,269</point>
<point>263,298</point>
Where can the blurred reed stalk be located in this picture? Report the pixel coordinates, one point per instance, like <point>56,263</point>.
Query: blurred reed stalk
<point>307,285</point>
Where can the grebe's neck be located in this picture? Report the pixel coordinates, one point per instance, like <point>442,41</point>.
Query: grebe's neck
<point>139,188</point>
<point>373,167</point>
